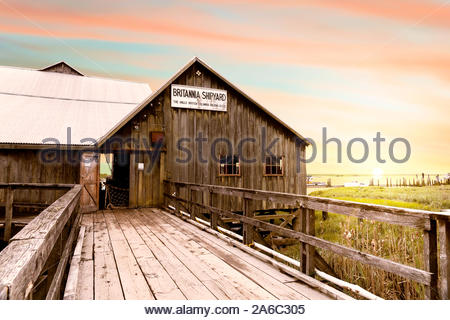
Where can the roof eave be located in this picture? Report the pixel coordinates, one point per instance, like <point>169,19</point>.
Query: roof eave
<point>36,146</point>
<point>139,108</point>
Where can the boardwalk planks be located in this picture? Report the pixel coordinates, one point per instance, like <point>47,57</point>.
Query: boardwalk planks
<point>176,262</point>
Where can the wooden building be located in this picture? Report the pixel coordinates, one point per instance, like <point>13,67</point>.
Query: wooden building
<point>57,105</point>
<point>218,141</point>
<point>198,127</point>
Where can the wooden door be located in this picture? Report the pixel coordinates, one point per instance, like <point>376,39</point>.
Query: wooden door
<point>144,180</point>
<point>89,178</point>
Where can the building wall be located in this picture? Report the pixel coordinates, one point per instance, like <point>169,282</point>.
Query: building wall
<point>134,138</point>
<point>25,166</point>
<point>243,119</point>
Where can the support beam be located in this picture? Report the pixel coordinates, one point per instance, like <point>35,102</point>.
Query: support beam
<point>214,215</point>
<point>132,199</point>
<point>444,259</point>
<point>162,177</point>
<point>247,228</point>
<point>310,250</point>
<point>177,206</point>
<point>430,260</point>
<point>191,208</point>
<point>8,214</point>
<point>300,225</point>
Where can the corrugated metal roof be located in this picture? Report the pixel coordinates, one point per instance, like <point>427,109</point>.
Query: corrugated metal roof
<point>35,105</point>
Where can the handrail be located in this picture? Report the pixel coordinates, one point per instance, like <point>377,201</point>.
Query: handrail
<point>364,210</point>
<point>9,203</point>
<point>24,263</point>
<point>304,232</point>
<point>354,288</point>
<point>19,185</point>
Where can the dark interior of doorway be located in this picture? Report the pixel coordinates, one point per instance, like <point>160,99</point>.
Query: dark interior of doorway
<point>118,184</point>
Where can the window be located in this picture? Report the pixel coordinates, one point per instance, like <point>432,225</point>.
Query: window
<point>229,166</point>
<point>274,166</point>
<point>156,138</point>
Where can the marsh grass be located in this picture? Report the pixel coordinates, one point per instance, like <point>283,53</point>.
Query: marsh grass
<point>433,198</point>
<point>396,243</point>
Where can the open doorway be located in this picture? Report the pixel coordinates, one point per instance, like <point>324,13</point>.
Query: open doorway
<point>115,177</point>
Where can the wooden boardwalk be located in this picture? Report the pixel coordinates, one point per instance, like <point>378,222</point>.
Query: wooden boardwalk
<point>151,254</point>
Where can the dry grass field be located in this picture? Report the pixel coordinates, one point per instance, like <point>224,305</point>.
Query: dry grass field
<point>397,243</point>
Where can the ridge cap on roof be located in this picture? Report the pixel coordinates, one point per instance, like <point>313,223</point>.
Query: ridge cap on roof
<point>16,67</point>
<point>72,75</point>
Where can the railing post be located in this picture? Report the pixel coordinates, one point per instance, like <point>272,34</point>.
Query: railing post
<point>8,214</point>
<point>247,233</point>
<point>299,224</point>
<point>444,259</point>
<point>190,204</point>
<point>310,250</point>
<point>177,204</point>
<point>214,216</point>
<point>166,190</point>
<point>430,260</point>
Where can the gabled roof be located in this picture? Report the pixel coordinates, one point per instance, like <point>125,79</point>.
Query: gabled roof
<point>35,105</point>
<point>139,108</point>
<point>62,67</point>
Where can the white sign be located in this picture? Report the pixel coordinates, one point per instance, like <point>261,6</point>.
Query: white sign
<point>198,98</point>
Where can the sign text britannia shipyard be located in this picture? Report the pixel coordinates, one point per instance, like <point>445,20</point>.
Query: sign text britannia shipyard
<point>198,98</point>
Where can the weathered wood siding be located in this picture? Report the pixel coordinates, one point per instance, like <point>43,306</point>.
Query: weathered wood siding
<point>145,186</point>
<point>62,68</point>
<point>242,120</point>
<point>25,166</point>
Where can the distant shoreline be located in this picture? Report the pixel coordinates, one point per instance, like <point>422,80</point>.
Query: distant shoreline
<point>368,174</point>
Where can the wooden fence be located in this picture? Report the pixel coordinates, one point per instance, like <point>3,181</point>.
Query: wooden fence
<point>34,263</point>
<point>437,282</point>
<point>10,202</point>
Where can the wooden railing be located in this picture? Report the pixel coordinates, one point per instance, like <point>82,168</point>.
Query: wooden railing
<point>9,203</point>
<point>34,263</point>
<point>437,282</point>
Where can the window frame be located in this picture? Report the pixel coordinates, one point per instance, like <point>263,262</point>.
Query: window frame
<point>230,174</point>
<point>282,158</point>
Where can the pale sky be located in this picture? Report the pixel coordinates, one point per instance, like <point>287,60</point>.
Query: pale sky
<point>356,67</point>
